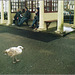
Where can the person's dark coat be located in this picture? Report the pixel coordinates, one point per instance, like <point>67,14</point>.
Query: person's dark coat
<point>25,18</point>
<point>17,14</point>
<point>37,15</point>
<point>27,14</point>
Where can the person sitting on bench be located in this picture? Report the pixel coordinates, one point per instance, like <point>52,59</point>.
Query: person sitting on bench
<point>21,15</point>
<point>25,18</point>
<point>16,16</point>
<point>36,20</point>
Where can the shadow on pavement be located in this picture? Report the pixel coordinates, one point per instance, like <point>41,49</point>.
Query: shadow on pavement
<point>40,36</point>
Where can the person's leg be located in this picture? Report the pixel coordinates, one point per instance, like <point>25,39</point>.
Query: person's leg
<point>34,22</point>
<point>14,19</point>
<point>19,19</point>
<point>22,21</point>
<point>37,24</point>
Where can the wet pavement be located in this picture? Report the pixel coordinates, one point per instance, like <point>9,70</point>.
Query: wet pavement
<point>44,53</point>
<point>68,29</point>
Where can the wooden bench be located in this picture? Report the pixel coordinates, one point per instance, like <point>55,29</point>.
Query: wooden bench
<point>49,22</point>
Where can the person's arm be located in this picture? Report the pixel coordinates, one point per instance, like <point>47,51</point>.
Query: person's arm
<point>21,15</point>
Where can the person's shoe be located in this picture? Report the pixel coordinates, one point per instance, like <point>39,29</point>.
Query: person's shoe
<point>35,29</point>
<point>31,26</point>
<point>13,24</point>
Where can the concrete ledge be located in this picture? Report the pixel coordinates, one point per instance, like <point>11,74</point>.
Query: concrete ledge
<point>60,33</point>
<point>66,30</point>
<point>41,29</point>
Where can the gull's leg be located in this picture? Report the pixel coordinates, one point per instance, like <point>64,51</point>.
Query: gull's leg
<point>14,60</point>
<point>17,60</point>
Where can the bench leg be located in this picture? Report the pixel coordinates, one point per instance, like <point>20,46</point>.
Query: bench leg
<point>47,25</point>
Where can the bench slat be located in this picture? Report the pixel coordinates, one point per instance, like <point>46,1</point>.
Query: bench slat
<point>51,21</point>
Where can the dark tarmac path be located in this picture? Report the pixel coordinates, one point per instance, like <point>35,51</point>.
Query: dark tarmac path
<point>44,53</point>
